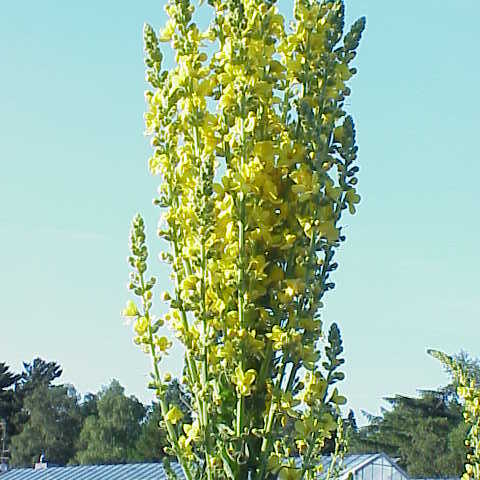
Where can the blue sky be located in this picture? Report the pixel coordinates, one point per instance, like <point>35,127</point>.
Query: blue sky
<point>73,173</point>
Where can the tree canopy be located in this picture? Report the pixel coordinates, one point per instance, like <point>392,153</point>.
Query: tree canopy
<point>426,434</point>
<point>8,403</point>
<point>111,434</point>
<point>52,427</point>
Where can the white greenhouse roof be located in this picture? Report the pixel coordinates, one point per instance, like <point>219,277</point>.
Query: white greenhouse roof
<point>139,471</point>
<point>377,466</point>
<point>369,466</point>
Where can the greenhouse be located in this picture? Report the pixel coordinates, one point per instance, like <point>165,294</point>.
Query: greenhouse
<point>373,466</point>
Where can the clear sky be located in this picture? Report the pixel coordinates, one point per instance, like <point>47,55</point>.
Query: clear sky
<point>73,173</point>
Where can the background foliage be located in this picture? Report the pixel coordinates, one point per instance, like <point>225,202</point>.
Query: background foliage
<point>426,433</point>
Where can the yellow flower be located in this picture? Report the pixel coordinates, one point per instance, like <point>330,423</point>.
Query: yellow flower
<point>167,32</point>
<point>305,426</point>
<point>293,286</point>
<point>278,337</point>
<point>301,446</point>
<point>190,284</point>
<point>163,343</point>
<point>244,380</point>
<point>228,97</point>
<point>130,310</point>
<point>192,431</point>
<point>141,326</point>
<point>303,180</point>
<point>174,415</point>
<point>289,473</point>
<point>264,150</point>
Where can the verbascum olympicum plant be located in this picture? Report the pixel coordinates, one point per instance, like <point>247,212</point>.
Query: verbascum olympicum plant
<point>469,391</point>
<point>256,156</point>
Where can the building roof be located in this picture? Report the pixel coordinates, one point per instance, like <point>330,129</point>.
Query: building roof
<point>353,464</point>
<point>137,471</point>
<point>155,471</point>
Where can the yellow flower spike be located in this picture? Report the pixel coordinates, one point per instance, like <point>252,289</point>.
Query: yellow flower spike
<point>245,190</point>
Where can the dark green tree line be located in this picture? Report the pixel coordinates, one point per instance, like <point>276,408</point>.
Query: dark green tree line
<point>426,433</point>
<point>46,417</point>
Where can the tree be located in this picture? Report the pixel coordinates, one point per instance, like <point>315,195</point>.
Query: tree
<point>152,441</point>
<point>35,374</point>
<point>52,427</point>
<point>422,432</point>
<point>38,372</point>
<point>257,159</point>
<point>9,405</point>
<point>110,436</point>
<point>88,406</point>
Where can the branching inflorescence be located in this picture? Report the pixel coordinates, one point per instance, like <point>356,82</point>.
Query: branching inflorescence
<point>257,159</point>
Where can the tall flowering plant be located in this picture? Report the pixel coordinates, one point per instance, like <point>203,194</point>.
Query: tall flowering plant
<point>257,160</point>
<point>469,391</point>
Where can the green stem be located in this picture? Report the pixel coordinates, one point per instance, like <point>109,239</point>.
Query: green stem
<point>203,264</point>
<point>192,367</point>
<point>307,458</point>
<point>170,430</point>
<point>205,365</point>
<point>267,440</point>
<point>241,273</point>
<point>239,422</point>
<point>173,439</point>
